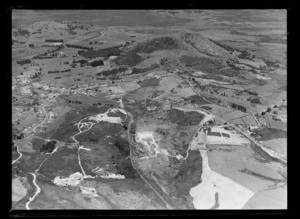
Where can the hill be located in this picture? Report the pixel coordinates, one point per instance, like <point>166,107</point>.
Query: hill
<point>206,46</point>
<point>159,43</point>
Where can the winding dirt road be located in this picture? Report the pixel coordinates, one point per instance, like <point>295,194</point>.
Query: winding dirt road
<point>38,190</point>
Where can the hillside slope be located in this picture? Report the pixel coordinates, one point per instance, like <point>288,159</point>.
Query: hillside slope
<point>203,45</point>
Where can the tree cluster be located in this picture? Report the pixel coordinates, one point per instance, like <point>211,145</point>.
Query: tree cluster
<point>78,47</point>
<point>74,101</point>
<point>106,52</point>
<point>245,55</point>
<point>238,107</point>
<point>131,58</point>
<point>142,70</point>
<point>132,128</point>
<point>51,72</point>
<point>54,41</point>
<point>112,71</point>
<point>23,61</point>
<point>184,118</point>
<point>48,147</point>
<point>96,63</point>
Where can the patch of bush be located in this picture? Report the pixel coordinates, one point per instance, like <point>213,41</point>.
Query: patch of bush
<point>259,82</point>
<point>203,64</point>
<point>52,72</point>
<point>244,55</point>
<point>22,32</point>
<point>269,63</point>
<point>163,61</point>
<point>184,118</point>
<point>206,107</point>
<point>97,104</point>
<point>60,47</point>
<point>142,70</point>
<point>123,146</point>
<point>255,100</point>
<point>48,147</point>
<point>82,62</point>
<point>23,61</point>
<point>54,41</point>
<point>106,52</point>
<point>239,107</point>
<point>112,71</point>
<point>43,57</point>
<point>74,101</point>
<point>251,92</point>
<point>78,47</point>
<point>18,137</point>
<point>130,59</point>
<point>160,43</point>
<point>132,128</point>
<point>232,66</point>
<point>96,63</point>
<point>124,166</point>
<point>195,99</point>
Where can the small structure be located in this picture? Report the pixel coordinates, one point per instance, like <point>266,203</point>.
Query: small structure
<point>219,135</point>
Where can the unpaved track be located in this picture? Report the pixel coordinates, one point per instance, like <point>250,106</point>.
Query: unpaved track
<point>38,190</point>
<point>131,159</point>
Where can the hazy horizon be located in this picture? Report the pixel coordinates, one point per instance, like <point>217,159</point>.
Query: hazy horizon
<point>97,17</point>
